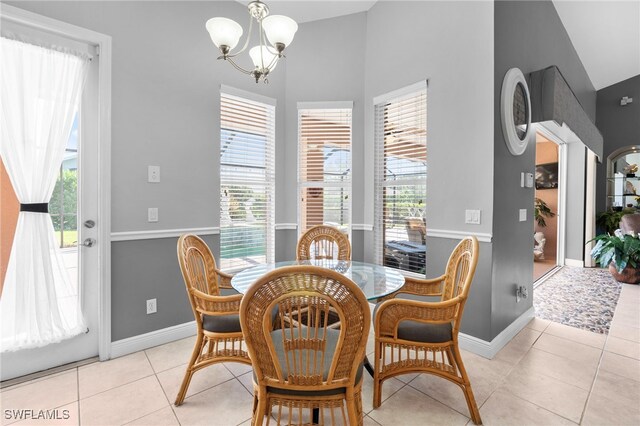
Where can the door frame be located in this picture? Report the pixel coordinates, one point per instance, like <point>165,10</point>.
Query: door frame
<point>103,46</point>
<point>545,131</point>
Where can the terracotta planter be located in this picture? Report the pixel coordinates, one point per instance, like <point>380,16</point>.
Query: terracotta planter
<point>628,275</point>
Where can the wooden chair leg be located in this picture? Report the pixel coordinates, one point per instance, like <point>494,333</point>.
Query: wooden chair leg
<point>354,418</point>
<point>197,350</point>
<point>261,410</point>
<point>466,388</point>
<point>377,384</point>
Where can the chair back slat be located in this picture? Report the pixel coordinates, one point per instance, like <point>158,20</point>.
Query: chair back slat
<point>198,265</point>
<point>460,269</point>
<point>323,242</point>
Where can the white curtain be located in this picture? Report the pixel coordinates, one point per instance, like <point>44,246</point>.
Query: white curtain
<point>39,93</point>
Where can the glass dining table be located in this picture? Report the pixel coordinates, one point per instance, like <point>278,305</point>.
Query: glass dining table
<point>374,280</point>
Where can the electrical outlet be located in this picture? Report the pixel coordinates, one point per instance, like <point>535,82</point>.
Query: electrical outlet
<point>152,306</point>
<point>521,293</point>
<point>472,217</point>
<point>153,174</point>
<point>152,214</point>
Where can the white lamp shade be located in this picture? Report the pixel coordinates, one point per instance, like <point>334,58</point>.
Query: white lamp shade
<point>279,29</point>
<point>266,55</point>
<point>224,32</point>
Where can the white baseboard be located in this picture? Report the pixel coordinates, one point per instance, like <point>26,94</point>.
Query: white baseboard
<point>160,337</point>
<point>574,262</point>
<point>151,339</point>
<point>490,349</point>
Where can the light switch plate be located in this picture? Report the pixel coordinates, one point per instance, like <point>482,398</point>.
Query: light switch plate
<point>154,174</point>
<point>523,215</point>
<point>472,217</point>
<point>152,214</point>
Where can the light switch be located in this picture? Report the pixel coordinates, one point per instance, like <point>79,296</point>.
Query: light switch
<point>152,214</point>
<point>523,215</point>
<point>472,217</point>
<point>154,174</point>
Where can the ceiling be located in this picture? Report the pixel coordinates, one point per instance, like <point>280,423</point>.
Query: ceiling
<point>605,33</point>
<point>314,10</point>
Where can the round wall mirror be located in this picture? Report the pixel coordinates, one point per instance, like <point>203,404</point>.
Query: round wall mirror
<point>515,108</point>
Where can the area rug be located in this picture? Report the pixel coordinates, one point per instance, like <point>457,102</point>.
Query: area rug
<point>584,298</point>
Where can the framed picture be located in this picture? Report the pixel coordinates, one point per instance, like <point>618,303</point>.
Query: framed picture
<point>547,176</point>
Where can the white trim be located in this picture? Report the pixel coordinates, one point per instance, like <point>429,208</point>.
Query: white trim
<point>103,45</point>
<point>153,338</point>
<point>326,105</point>
<point>361,227</point>
<point>408,90</point>
<point>574,262</point>
<point>490,349</point>
<point>162,233</point>
<point>456,235</point>
<point>228,90</point>
<point>280,226</point>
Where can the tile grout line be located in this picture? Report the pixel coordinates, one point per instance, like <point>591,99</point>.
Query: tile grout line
<point>78,394</point>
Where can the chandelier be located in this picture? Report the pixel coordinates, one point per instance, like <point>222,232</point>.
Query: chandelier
<point>277,29</point>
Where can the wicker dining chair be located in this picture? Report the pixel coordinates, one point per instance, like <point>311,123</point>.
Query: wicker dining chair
<point>413,336</point>
<point>321,242</point>
<point>300,364</point>
<point>215,308</point>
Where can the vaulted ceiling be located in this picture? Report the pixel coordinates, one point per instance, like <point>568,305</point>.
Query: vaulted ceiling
<point>606,34</point>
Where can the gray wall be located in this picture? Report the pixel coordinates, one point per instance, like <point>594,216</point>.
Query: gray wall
<point>528,35</point>
<point>619,125</point>
<point>450,44</point>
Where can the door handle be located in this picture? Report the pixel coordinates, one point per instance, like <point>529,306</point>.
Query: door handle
<point>89,242</point>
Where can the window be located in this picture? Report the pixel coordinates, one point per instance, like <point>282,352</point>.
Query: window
<point>401,178</point>
<point>324,166</point>
<point>247,181</point>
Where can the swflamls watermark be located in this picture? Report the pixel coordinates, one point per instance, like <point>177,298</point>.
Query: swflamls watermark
<point>26,414</point>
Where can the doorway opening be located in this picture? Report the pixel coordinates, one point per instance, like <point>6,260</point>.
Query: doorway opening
<point>546,207</point>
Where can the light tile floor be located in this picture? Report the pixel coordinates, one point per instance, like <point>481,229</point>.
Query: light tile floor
<point>549,374</point>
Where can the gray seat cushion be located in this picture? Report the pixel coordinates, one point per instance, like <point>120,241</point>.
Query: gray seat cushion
<point>424,332</point>
<point>332,341</point>
<point>417,331</point>
<point>221,323</point>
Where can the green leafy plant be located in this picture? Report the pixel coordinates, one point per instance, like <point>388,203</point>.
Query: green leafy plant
<point>609,220</point>
<point>619,250</point>
<point>540,211</point>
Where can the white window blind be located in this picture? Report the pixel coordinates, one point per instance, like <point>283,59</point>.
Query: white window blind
<point>324,166</point>
<point>401,180</point>
<point>247,182</point>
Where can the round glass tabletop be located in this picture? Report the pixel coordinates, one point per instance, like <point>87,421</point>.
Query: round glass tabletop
<point>374,280</point>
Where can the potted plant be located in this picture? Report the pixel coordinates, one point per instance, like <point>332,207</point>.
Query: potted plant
<point>609,220</point>
<point>621,253</point>
<point>540,211</point>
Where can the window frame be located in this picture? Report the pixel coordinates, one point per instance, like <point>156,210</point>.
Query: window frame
<point>348,184</point>
<point>379,177</point>
<point>270,179</point>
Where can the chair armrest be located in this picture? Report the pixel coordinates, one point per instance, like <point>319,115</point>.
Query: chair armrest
<point>418,287</point>
<point>215,305</point>
<point>391,312</point>
<point>224,279</point>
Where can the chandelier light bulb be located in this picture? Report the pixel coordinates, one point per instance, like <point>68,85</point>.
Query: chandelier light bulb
<point>265,59</point>
<point>224,32</point>
<point>279,29</point>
